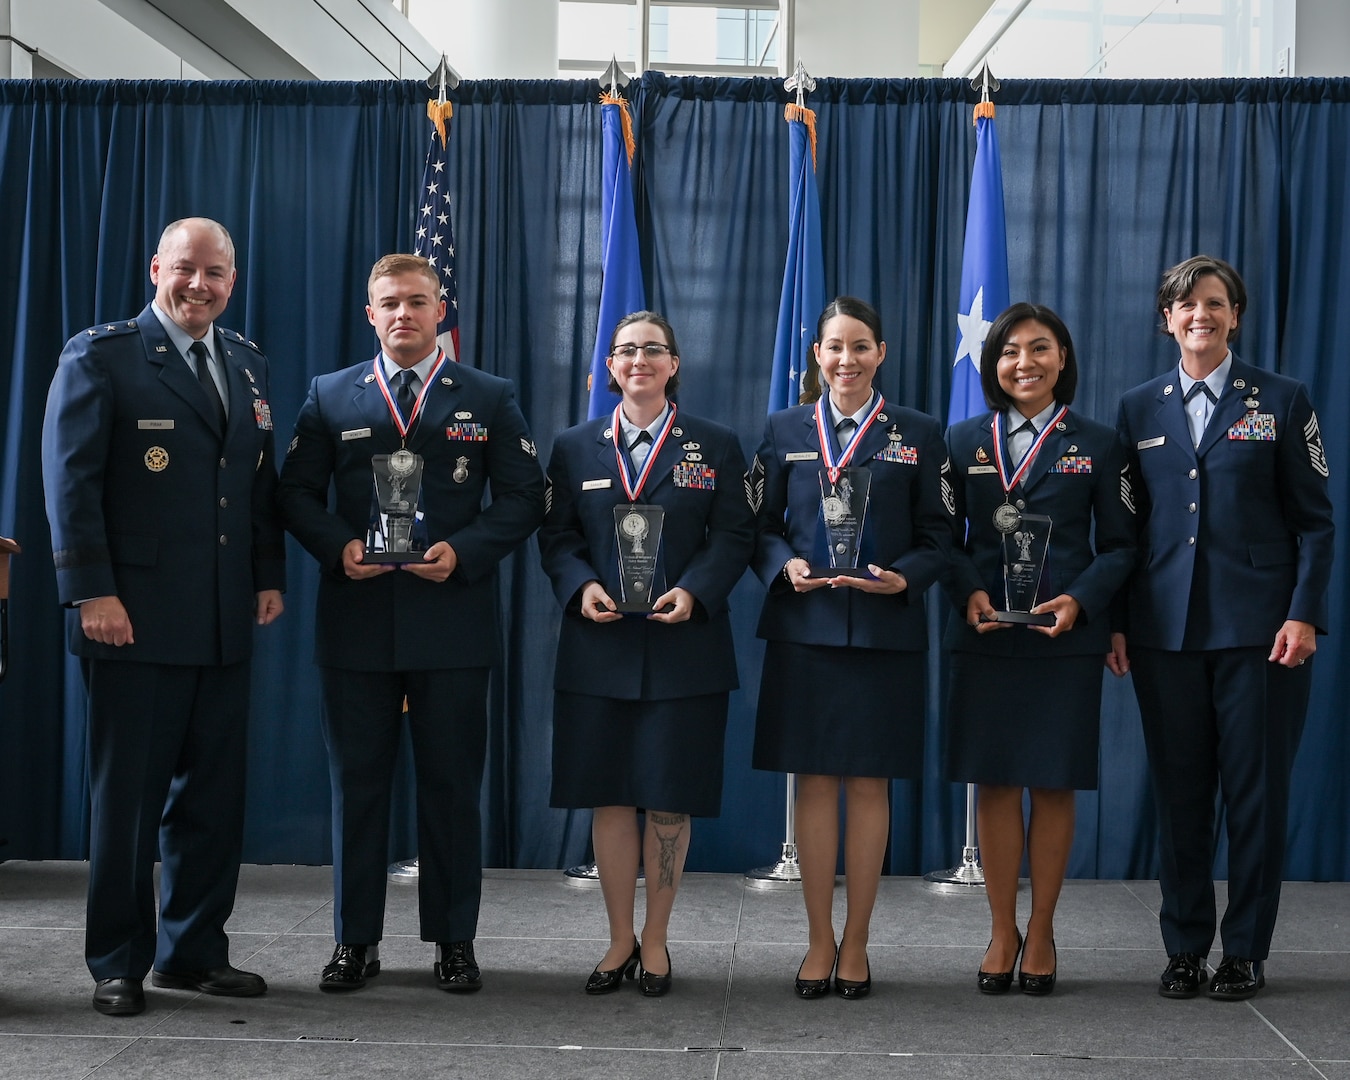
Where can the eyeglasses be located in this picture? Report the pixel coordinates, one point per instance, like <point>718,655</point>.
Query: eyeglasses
<point>652,351</point>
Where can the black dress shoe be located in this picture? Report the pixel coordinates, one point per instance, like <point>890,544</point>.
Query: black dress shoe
<point>606,982</point>
<point>457,970</point>
<point>998,982</point>
<point>349,969</point>
<point>1184,976</point>
<point>1237,979</point>
<point>119,997</point>
<point>813,988</point>
<point>223,981</point>
<point>853,989</point>
<point>1038,985</point>
<point>655,985</point>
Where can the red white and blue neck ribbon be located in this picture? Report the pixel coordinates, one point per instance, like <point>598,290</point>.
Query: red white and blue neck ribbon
<point>835,465</point>
<point>1010,482</point>
<point>382,381</point>
<point>633,487</point>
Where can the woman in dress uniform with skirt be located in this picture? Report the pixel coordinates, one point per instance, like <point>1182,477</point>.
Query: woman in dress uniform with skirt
<point>647,531</point>
<point>842,695</point>
<point>1025,700</point>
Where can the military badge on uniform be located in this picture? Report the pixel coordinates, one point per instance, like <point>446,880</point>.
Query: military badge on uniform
<point>981,456</point>
<point>463,414</point>
<point>754,485</point>
<point>467,432</point>
<point>1075,464</point>
<point>1312,436</point>
<point>899,453</point>
<point>527,446</point>
<point>1254,427</point>
<point>461,472</point>
<point>688,474</point>
<point>156,459</point>
<point>262,413</point>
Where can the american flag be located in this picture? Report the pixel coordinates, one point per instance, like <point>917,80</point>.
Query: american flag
<point>435,231</point>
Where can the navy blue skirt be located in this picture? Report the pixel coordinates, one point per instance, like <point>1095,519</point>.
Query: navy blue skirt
<point>840,711</point>
<point>1024,722</point>
<point>660,755</point>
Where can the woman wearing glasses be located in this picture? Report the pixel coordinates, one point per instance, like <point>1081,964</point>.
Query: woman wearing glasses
<point>854,525</point>
<point>647,532</point>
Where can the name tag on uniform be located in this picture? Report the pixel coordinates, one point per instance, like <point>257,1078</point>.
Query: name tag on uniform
<point>802,455</point>
<point>356,433</point>
<point>155,425</point>
<point>596,485</point>
<point>980,470</point>
<point>1149,444</point>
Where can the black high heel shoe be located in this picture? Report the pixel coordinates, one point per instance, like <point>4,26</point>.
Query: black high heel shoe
<point>853,989</point>
<point>813,988</point>
<point>998,982</point>
<point>654,985</point>
<point>606,982</point>
<point>1039,984</point>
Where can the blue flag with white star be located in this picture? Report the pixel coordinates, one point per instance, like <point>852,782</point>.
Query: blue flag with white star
<point>803,296</point>
<point>434,232</point>
<point>621,291</point>
<point>984,272</point>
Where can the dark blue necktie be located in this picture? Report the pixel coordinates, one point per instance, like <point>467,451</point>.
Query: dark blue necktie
<point>203,362</point>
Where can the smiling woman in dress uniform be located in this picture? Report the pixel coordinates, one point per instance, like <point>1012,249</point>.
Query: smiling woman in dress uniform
<point>640,699</point>
<point>1231,485</point>
<point>842,696</point>
<point>1025,701</point>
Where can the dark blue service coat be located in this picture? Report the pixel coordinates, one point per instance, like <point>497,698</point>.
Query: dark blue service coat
<point>708,534</point>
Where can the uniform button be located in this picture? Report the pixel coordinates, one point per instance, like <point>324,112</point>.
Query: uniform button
<point>1191,541</point>
<point>224,539</point>
<point>1191,508</point>
<point>1192,474</point>
<point>222,463</point>
<point>1021,504</point>
<point>224,502</point>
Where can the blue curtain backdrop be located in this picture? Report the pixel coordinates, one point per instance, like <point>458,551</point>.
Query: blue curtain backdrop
<point>1105,185</point>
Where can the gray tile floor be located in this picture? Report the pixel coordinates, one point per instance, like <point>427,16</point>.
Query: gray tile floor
<point>731,1014</point>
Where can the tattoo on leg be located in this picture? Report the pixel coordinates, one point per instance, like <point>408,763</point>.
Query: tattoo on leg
<point>670,843</point>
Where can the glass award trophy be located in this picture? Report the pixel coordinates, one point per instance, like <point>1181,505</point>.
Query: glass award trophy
<point>843,506</point>
<point>637,536</point>
<point>1025,542</point>
<point>395,533</point>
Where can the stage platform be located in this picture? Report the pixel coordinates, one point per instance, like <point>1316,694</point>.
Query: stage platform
<point>731,1015</point>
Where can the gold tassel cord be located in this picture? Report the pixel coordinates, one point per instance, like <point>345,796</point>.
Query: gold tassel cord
<point>439,113</point>
<point>985,109</point>
<point>793,111</point>
<point>625,120</point>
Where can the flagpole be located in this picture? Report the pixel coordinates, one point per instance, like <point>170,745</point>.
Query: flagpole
<point>621,292</point>
<point>803,289</point>
<point>7,548</point>
<point>988,275</point>
<point>442,254</point>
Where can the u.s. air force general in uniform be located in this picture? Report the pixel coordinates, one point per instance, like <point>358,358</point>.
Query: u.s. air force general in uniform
<point>1235,556</point>
<point>167,551</point>
<point>381,638</point>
